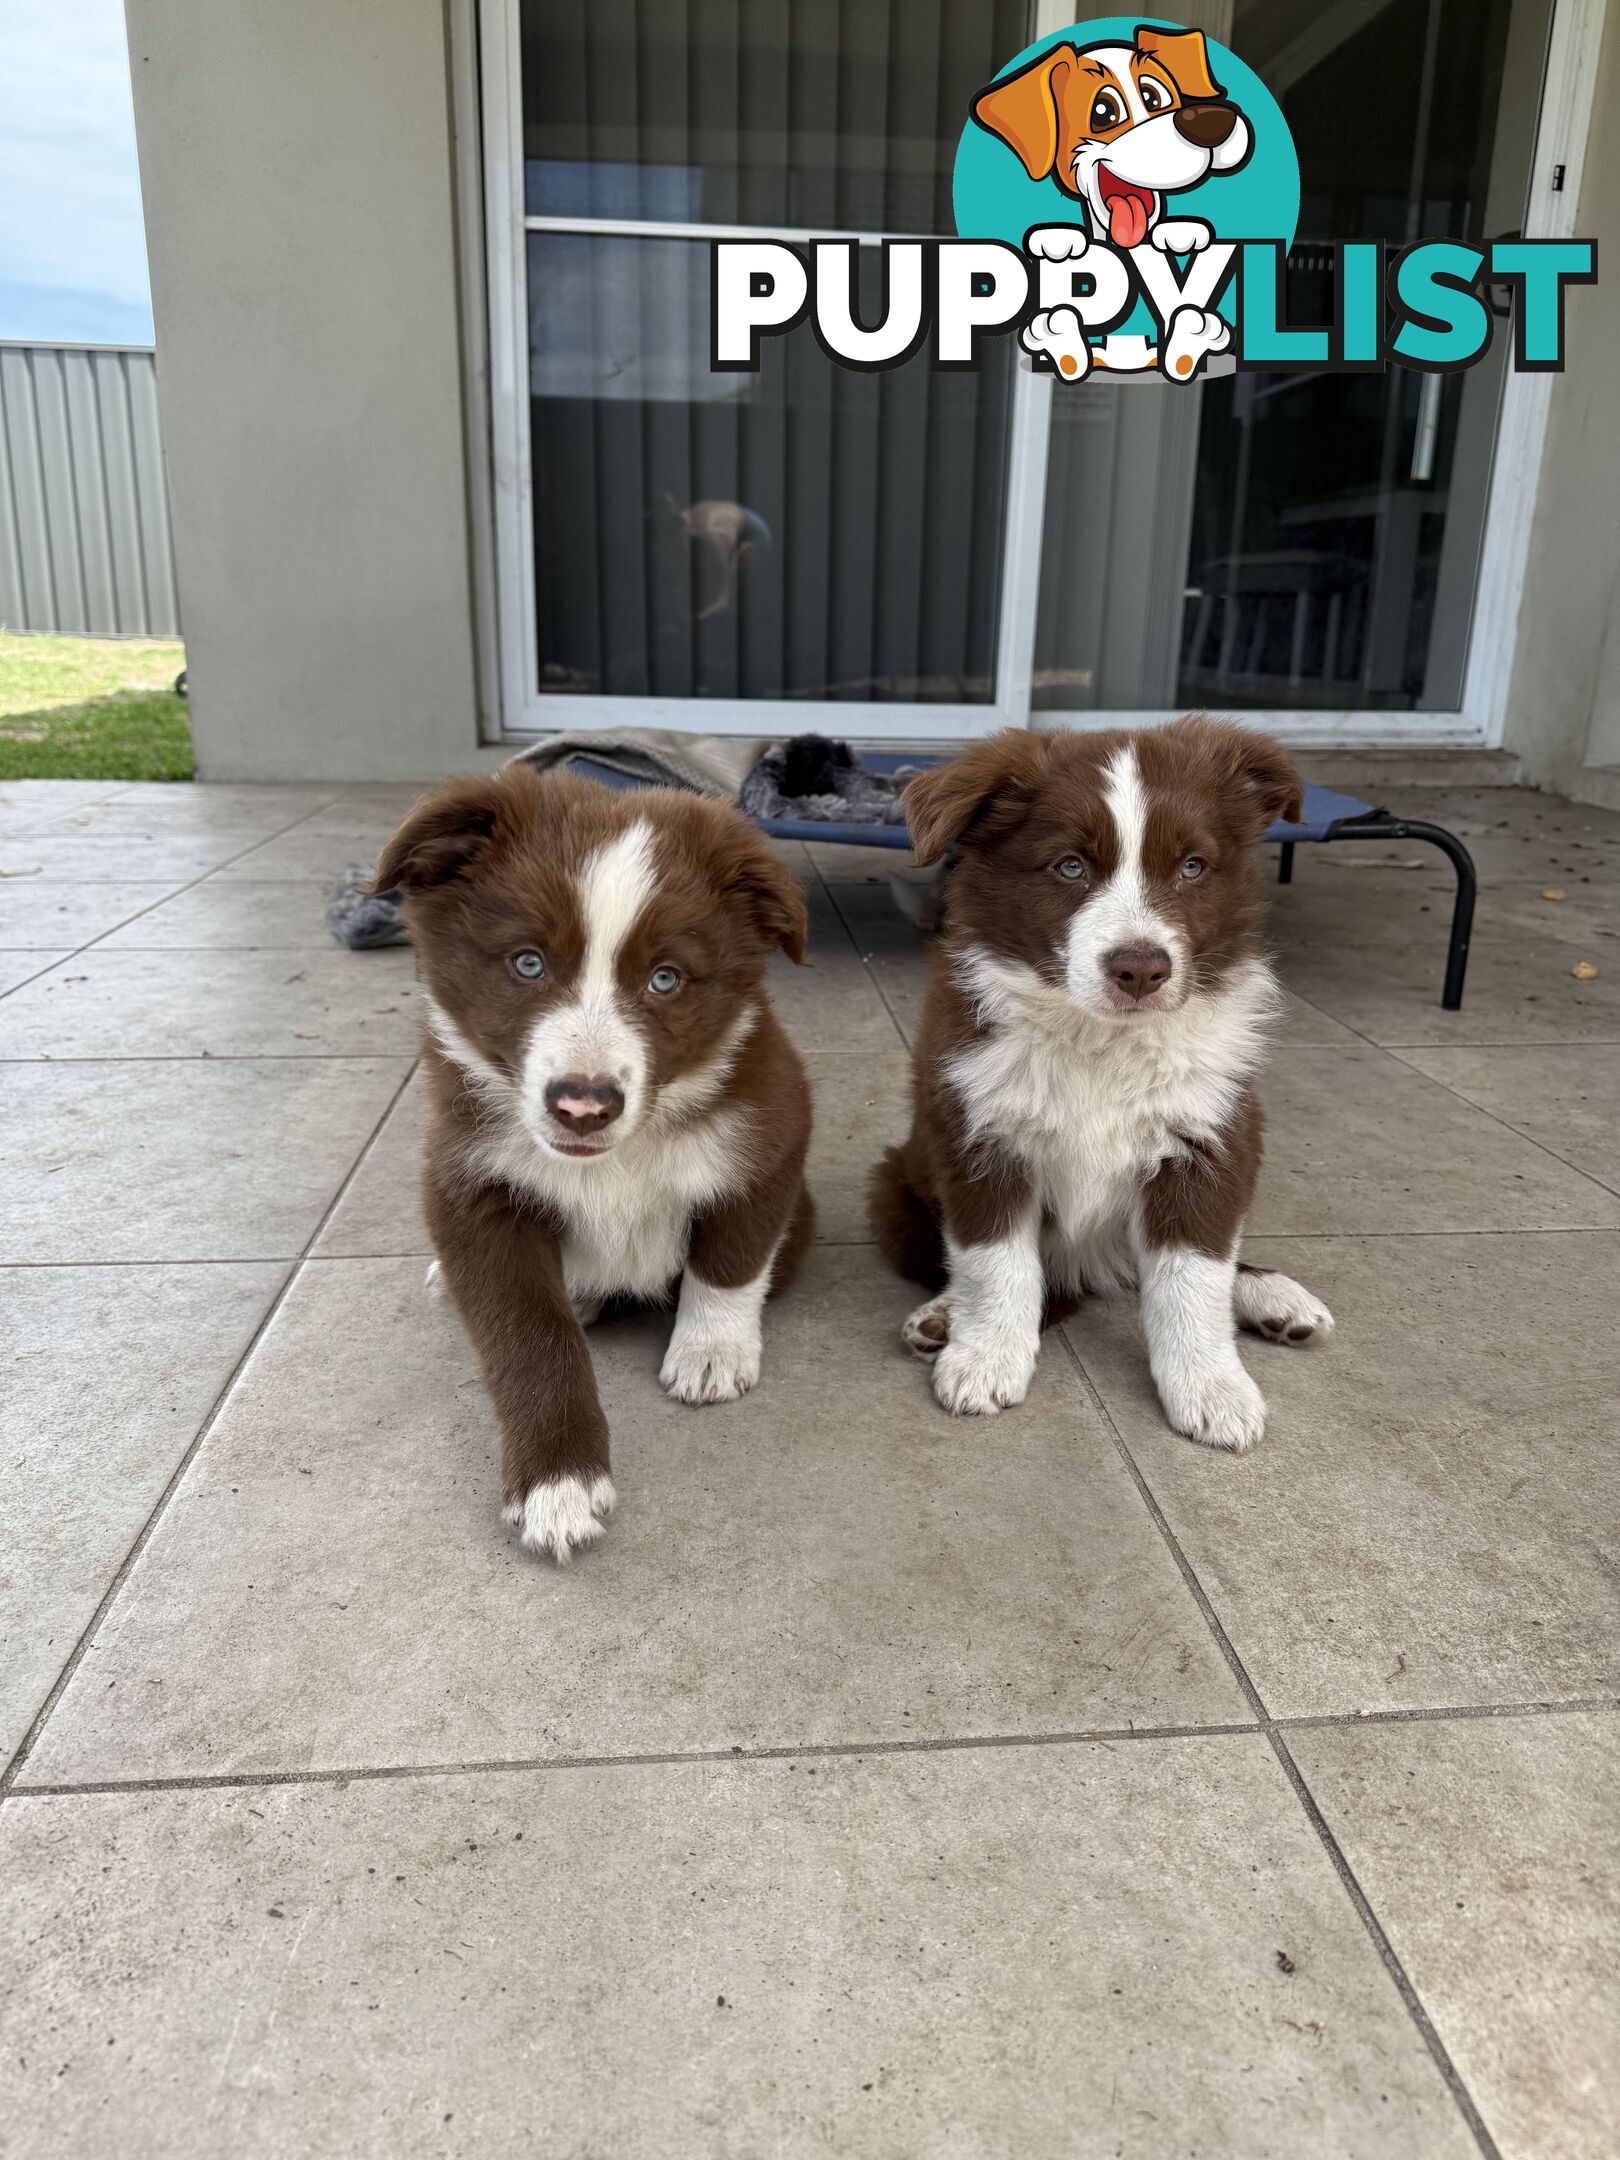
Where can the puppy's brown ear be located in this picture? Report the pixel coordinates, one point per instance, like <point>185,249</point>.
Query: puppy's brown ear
<point>978,796</point>
<point>773,895</point>
<point>442,836</point>
<point>1184,55</point>
<point>1023,110</point>
<point>1254,764</point>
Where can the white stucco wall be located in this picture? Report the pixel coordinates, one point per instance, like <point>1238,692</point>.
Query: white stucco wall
<point>297,171</point>
<point>1564,705</point>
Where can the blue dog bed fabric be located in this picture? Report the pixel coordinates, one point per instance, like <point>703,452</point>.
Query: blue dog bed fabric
<point>1325,816</point>
<point>1324,807</point>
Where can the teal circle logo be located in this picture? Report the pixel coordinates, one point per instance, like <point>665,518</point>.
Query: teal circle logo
<point>1136,134</point>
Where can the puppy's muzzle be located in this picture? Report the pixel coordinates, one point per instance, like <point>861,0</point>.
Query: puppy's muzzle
<point>583,1105</point>
<point>1206,126</point>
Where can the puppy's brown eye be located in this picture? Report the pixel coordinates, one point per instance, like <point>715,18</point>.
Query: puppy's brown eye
<point>1192,869</point>
<point>1154,95</point>
<point>528,966</point>
<point>1071,869</point>
<point>1106,110</point>
<point>664,981</point>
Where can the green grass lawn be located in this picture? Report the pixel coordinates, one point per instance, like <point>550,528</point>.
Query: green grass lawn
<point>92,709</point>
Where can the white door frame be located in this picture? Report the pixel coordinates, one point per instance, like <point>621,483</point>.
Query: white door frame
<point>524,712</point>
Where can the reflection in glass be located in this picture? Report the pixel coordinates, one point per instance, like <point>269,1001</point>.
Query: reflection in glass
<point>801,533</point>
<point>799,113</point>
<point>1307,539</point>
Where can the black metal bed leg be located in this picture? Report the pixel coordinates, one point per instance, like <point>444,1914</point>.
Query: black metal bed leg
<point>1462,913</point>
<point>1285,863</point>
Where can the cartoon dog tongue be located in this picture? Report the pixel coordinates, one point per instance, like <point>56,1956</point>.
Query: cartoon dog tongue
<point>1128,218</point>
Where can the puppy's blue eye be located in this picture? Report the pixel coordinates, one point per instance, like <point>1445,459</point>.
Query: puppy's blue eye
<point>529,965</point>
<point>1072,868</point>
<point>663,981</point>
<point>1193,867</point>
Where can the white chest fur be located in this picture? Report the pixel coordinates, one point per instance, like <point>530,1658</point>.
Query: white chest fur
<point>1089,1106</point>
<point>627,1217</point>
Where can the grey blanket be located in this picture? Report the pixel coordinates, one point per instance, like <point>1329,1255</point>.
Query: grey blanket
<point>824,783</point>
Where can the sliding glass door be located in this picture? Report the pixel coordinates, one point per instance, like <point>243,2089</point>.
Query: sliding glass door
<point>803,537</point>
<point>1306,540</point>
<point>926,555</point>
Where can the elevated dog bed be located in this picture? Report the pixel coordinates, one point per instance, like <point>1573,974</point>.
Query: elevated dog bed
<point>1327,815</point>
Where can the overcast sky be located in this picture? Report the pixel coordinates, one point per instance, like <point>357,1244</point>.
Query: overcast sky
<point>72,248</point>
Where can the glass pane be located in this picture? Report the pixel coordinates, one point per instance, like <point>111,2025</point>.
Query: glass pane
<point>1307,539</point>
<point>801,533</point>
<point>808,114</point>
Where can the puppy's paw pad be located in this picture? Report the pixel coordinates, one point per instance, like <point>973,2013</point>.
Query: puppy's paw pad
<point>1195,334</point>
<point>1060,335</point>
<point>1218,1409</point>
<point>978,1381</point>
<point>1058,243</point>
<point>926,1331</point>
<point>709,1369</point>
<point>560,1516</point>
<point>1282,1310</point>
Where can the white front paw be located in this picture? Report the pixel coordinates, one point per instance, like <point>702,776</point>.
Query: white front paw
<point>1058,243</point>
<point>1059,334</point>
<point>1182,236</point>
<point>1195,334</point>
<point>710,1369</point>
<point>559,1516</point>
<point>1218,1405</point>
<point>978,1379</point>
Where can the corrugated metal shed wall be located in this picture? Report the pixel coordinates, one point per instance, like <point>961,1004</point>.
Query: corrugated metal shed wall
<point>84,514</point>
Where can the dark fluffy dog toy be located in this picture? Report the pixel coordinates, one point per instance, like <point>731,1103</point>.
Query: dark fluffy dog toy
<point>813,778</point>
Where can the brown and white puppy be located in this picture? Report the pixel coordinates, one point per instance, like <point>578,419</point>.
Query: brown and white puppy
<point>615,1107</point>
<point>1085,1116</point>
<point>1120,127</point>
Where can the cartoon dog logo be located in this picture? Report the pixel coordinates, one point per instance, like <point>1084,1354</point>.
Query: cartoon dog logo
<point>1120,128</point>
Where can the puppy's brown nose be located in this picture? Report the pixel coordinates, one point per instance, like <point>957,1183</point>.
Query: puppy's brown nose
<point>1206,125</point>
<point>1138,970</point>
<point>584,1105</point>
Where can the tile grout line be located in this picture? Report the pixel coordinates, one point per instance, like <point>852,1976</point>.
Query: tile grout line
<point>1394,1050</point>
<point>1439,2054</point>
<point>201,878</point>
<point>808,1751</point>
<point>227,1057</point>
<point>492,1766</point>
<point>45,967</point>
<point>855,947</point>
<point>1404,1984</point>
<point>1507,1126</point>
<point>8,1777</point>
<point>419,1252</point>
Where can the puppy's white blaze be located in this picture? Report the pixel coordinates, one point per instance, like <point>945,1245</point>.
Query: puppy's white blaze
<point>1117,60</point>
<point>592,1032</point>
<point>1118,912</point>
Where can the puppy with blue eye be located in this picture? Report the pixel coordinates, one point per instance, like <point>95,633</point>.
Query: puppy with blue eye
<point>1085,1111</point>
<point>616,1110</point>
